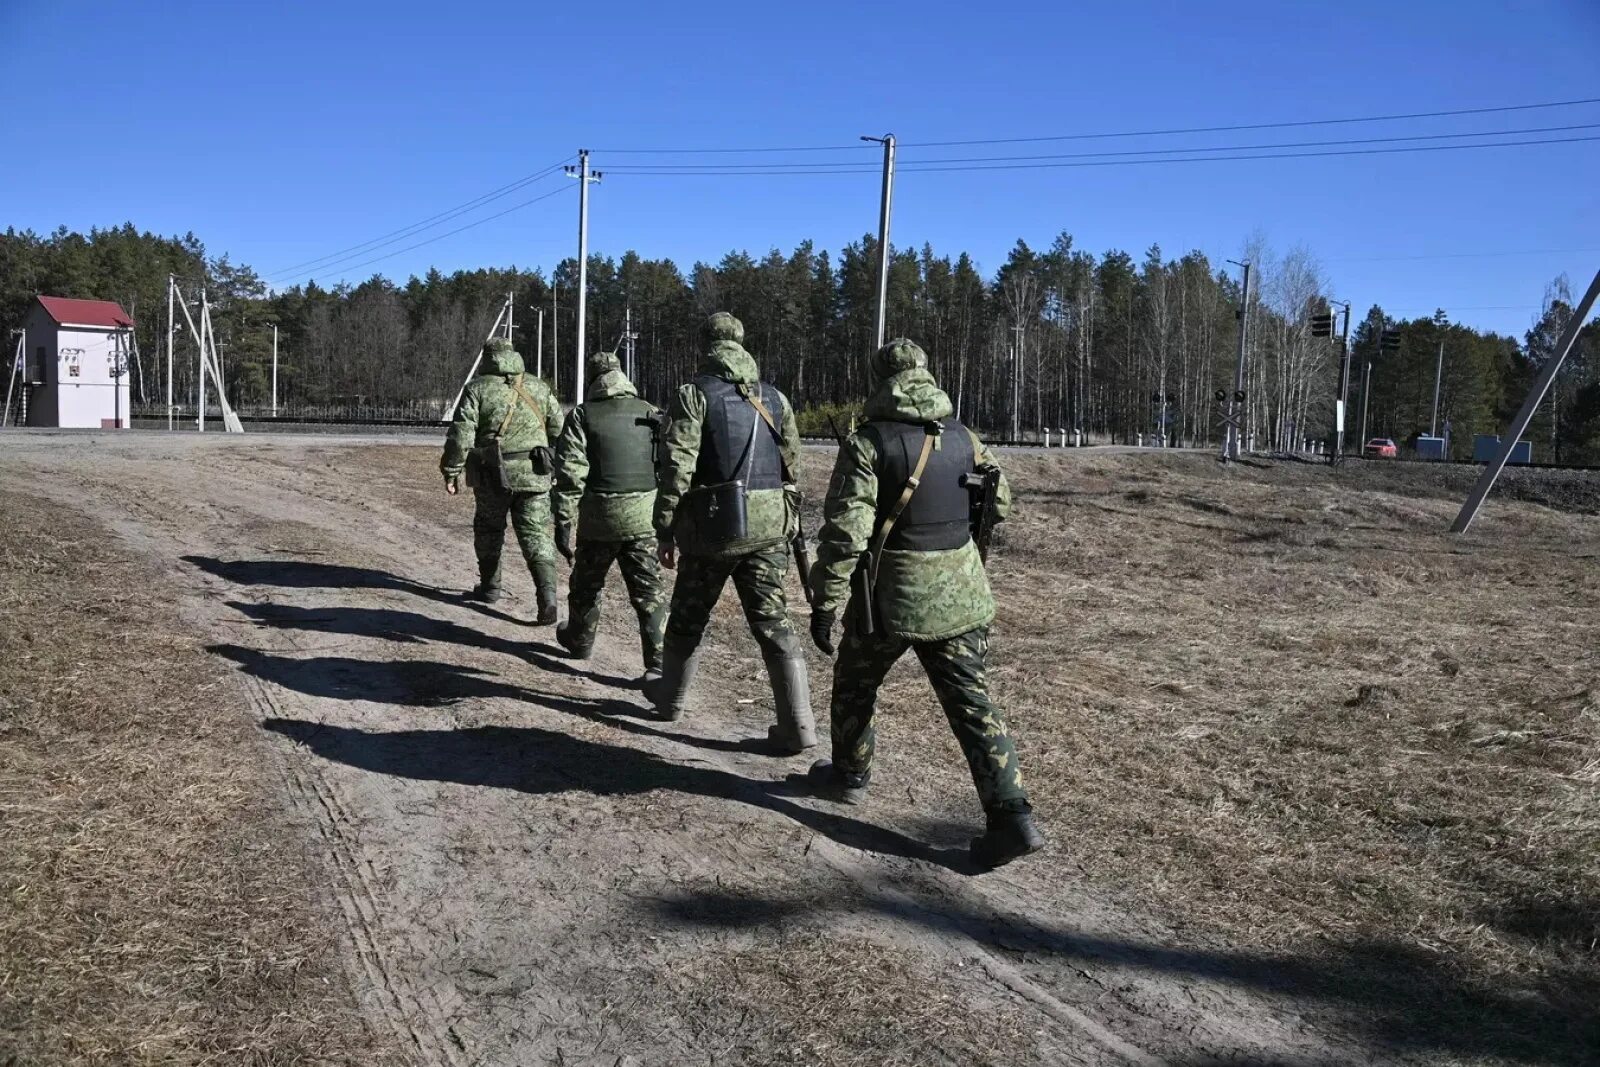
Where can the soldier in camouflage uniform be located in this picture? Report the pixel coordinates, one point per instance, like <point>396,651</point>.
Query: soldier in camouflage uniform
<point>727,425</point>
<point>503,404</point>
<point>931,595</point>
<point>606,488</point>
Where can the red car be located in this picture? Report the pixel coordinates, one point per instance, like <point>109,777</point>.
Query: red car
<point>1381,447</point>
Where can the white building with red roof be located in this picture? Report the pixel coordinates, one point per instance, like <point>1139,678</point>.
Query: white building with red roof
<point>77,359</point>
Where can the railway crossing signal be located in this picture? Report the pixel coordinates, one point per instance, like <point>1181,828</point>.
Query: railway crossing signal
<point>1322,325</point>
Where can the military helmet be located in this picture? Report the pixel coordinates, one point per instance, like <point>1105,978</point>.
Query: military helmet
<point>901,354</point>
<point>603,363</point>
<point>495,345</point>
<point>723,327</point>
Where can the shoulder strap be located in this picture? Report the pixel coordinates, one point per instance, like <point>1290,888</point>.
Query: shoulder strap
<point>511,408</point>
<point>766,416</point>
<point>906,494</point>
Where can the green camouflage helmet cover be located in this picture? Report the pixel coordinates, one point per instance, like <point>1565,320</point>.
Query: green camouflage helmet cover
<point>603,363</point>
<point>723,327</point>
<point>901,354</point>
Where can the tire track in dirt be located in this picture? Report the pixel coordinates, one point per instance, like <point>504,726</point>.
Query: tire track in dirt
<point>419,1025</point>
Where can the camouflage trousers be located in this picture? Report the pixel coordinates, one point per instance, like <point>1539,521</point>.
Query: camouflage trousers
<point>647,592</point>
<point>956,668</point>
<point>530,519</point>
<point>758,578</point>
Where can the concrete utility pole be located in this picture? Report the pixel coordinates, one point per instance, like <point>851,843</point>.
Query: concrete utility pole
<point>511,317</point>
<point>1236,407</point>
<point>1366,391</point>
<point>274,370</point>
<point>1438,376</point>
<point>887,140</point>
<point>171,334</point>
<point>555,337</point>
<point>1017,350</point>
<point>1342,412</point>
<point>538,347</point>
<point>1519,425</point>
<point>205,327</point>
<point>584,176</point>
<point>628,337</point>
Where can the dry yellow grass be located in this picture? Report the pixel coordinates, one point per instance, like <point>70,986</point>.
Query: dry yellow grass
<point>153,906</point>
<point>1287,712</point>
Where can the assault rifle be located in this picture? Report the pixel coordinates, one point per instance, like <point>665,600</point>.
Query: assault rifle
<point>982,485</point>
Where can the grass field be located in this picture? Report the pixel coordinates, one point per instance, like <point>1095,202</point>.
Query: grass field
<point>1311,768</point>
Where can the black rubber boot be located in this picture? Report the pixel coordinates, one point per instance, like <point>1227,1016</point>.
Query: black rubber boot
<point>830,783</point>
<point>670,694</point>
<point>1009,835</point>
<point>796,729</point>
<point>564,639</point>
<point>544,581</point>
<point>482,594</point>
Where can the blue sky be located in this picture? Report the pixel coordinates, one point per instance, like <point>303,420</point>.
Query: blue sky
<point>279,132</point>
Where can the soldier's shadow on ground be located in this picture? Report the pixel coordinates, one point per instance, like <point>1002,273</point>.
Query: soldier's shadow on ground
<point>533,760</point>
<point>1396,999</point>
<point>410,627</point>
<point>308,574</point>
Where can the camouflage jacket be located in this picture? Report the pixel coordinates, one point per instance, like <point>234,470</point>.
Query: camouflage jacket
<point>482,410</point>
<point>921,596</point>
<point>598,516</point>
<point>773,513</point>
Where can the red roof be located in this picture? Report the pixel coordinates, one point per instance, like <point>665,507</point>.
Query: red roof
<point>65,311</point>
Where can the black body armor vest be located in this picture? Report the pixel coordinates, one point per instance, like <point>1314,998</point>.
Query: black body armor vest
<point>727,449</point>
<point>938,516</point>
<point>621,444</point>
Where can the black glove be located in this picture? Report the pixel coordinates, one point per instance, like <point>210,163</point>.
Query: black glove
<point>822,631</point>
<point>564,542</point>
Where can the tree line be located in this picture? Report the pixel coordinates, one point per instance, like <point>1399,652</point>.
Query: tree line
<point>1121,348</point>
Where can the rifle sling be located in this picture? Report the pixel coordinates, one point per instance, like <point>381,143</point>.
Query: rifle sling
<point>766,416</point>
<point>511,408</point>
<point>900,505</point>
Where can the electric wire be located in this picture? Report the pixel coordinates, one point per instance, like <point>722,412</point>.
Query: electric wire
<point>1258,125</point>
<point>331,259</point>
<point>911,163</point>
<point>1115,134</point>
<point>929,167</point>
<point>449,233</point>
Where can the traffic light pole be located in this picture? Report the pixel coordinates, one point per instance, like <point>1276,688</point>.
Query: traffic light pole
<point>1342,411</point>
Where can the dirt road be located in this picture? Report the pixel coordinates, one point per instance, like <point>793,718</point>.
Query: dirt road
<point>531,871</point>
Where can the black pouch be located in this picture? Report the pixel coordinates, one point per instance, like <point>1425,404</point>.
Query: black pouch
<point>719,512</point>
<point>492,464</point>
<point>543,460</point>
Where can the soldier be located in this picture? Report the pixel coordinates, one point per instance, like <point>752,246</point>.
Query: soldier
<point>606,487</point>
<point>728,503</point>
<point>897,539</point>
<point>500,440</point>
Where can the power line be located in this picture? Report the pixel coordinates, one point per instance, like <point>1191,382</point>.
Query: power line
<point>451,233</point>
<point>1112,135</point>
<point>1134,152</point>
<point>1257,125</point>
<point>325,261</point>
<point>928,167</point>
<point>1464,255</point>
